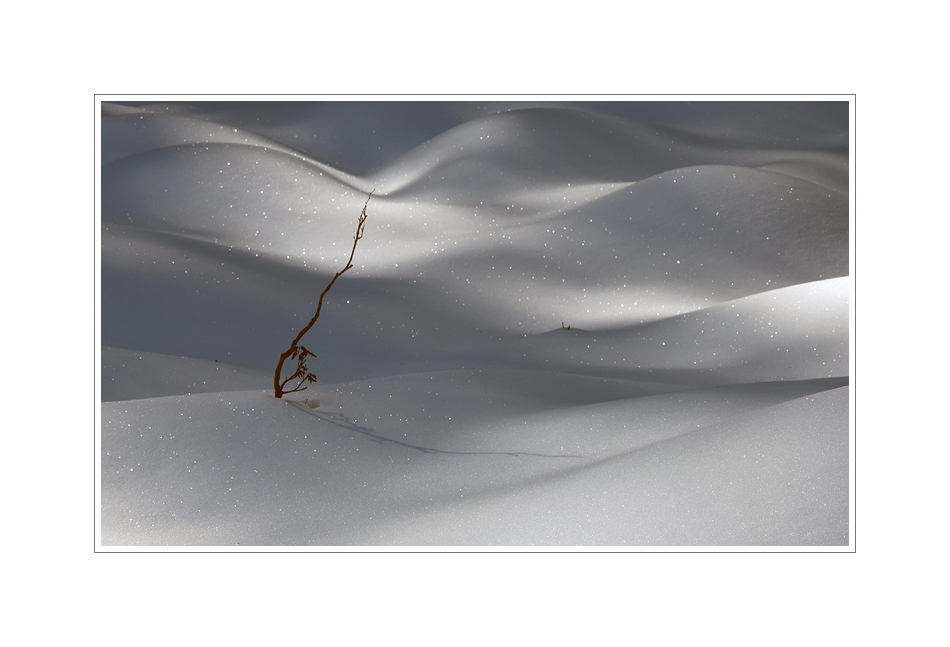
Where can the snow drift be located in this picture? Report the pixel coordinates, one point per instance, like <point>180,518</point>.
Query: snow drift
<point>567,325</point>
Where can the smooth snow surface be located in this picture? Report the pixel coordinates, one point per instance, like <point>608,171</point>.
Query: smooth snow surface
<point>567,324</point>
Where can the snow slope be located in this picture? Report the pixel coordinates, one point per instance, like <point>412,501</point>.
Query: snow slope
<point>566,325</point>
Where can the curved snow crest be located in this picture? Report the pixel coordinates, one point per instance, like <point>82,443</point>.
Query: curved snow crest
<point>799,332</point>
<point>558,146</point>
<point>536,145</point>
<point>129,131</point>
<point>491,177</point>
<point>491,154</point>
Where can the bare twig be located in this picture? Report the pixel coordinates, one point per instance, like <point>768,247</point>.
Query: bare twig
<point>302,371</point>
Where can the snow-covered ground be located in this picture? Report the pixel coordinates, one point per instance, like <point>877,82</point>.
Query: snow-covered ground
<point>611,324</point>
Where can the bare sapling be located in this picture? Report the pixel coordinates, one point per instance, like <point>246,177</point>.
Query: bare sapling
<point>298,352</point>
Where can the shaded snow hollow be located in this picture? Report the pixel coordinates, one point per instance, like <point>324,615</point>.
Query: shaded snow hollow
<point>563,327</point>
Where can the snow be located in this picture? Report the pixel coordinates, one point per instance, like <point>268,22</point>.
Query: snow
<point>567,325</point>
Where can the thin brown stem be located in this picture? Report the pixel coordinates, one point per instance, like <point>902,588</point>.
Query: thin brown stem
<point>285,382</point>
<point>278,385</point>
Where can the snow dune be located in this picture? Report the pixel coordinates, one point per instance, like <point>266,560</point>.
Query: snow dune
<point>565,326</point>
